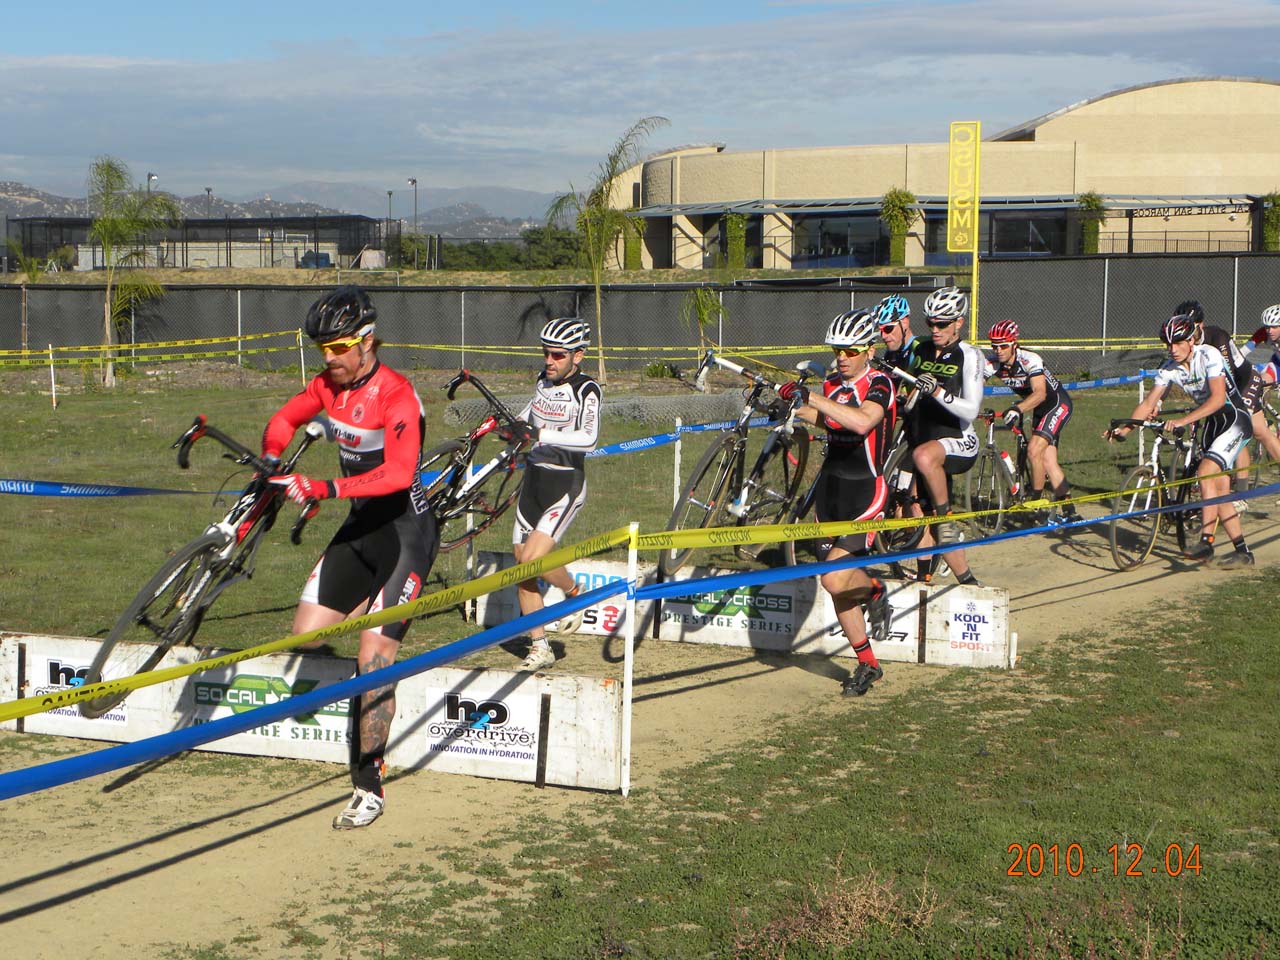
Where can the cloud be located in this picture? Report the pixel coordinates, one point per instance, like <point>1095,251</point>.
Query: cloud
<point>537,107</point>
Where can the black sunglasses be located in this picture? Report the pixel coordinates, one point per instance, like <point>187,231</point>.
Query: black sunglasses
<point>938,325</point>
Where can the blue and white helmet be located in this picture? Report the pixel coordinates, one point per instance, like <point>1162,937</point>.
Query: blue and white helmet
<point>947,303</point>
<point>857,328</point>
<point>1271,316</point>
<point>892,309</point>
<point>567,333</point>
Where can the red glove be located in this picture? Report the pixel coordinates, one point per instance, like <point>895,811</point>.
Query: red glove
<point>792,391</point>
<point>300,489</point>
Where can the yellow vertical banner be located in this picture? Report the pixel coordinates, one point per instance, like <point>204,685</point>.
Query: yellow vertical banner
<point>964,202</point>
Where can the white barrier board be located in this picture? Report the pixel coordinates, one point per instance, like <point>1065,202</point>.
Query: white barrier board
<point>477,722</point>
<point>962,626</point>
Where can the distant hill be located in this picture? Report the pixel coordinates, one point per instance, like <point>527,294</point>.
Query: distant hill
<point>20,200</point>
<point>505,202</point>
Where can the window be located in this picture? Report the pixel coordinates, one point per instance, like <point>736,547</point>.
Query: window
<point>835,241</point>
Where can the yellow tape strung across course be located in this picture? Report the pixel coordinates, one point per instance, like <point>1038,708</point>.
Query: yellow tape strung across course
<point>126,355</point>
<point>99,348</point>
<point>440,600</point>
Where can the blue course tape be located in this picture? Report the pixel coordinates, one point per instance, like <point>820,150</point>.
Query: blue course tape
<point>1075,384</point>
<point>17,783</point>
<point>42,488</point>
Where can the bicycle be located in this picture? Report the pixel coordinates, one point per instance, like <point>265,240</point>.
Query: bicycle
<point>1134,536</point>
<point>720,484</point>
<point>996,481</point>
<point>465,500</point>
<point>170,608</point>
<point>1265,470</point>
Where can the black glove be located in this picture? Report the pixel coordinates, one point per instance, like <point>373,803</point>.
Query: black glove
<point>926,383</point>
<point>793,391</point>
<point>777,410</point>
<point>518,431</point>
<point>1012,417</point>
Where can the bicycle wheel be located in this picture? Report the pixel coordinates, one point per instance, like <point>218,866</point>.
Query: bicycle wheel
<point>800,512</point>
<point>1187,521</point>
<point>483,504</point>
<point>702,501</point>
<point>774,485</point>
<point>985,489</point>
<point>165,613</point>
<point>898,505</point>
<point>1132,537</point>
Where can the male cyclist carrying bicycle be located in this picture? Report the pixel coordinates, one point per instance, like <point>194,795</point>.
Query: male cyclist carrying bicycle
<point>893,320</point>
<point>858,407</point>
<point>1046,401</point>
<point>1199,370</point>
<point>382,553</point>
<point>562,421</point>
<point>949,374</point>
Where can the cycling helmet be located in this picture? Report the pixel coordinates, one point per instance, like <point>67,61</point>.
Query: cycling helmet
<point>857,328</point>
<point>1004,331</point>
<point>892,309</point>
<point>1190,309</point>
<point>345,312</point>
<point>946,303</point>
<point>1271,316</point>
<point>1177,328</point>
<point>567,333</point>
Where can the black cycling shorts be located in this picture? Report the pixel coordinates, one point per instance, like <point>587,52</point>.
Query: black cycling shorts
<point>847,498</point>
<point>549,500</point>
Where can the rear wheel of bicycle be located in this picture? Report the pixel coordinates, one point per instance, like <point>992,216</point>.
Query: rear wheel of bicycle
<point>165,613</point>
<point>793,551</point>
<point>702,501</point>
<point>1132,537</point>
<point>483,504</point>
<point>1265,472</point>
<point>987,493</point>
<point>898,504</point>
<point>774,486</point>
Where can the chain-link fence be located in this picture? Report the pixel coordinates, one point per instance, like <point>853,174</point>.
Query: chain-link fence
<point>1086,311</point>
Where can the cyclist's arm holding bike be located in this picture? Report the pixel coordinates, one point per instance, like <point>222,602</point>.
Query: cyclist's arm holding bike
<point>968,403</point>
<point>1217,400</point>
<point>858,419</point>
<point>1039,393</point>
<point>583,435</point>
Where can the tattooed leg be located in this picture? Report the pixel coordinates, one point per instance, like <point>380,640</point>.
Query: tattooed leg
<point>377,708</point>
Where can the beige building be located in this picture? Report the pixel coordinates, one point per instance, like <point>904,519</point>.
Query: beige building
<point>1179,163</point>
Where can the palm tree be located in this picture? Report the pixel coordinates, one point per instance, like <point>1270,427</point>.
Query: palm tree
<point>599,222</point>
<point>126,213</point>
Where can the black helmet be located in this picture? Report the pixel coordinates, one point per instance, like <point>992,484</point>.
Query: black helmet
<point>1191,309</point>
<point>345,312</point>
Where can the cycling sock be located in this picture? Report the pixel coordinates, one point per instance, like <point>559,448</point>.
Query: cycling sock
<point>1240,545</point>
<point>368,774</point>
<point>966,578</point>
<point>864,654</point>
<point>1207,538</point>
<point>1035,494</point>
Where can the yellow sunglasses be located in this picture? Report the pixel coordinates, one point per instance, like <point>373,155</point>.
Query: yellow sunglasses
<point>849,351</point>
<point>338,347</point>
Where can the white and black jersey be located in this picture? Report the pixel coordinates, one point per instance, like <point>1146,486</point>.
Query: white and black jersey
<point>959,370</point>
<point>567,415</point>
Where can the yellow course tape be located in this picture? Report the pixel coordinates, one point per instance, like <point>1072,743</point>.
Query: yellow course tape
<point>148,345</point>
<point>440,600</point>
<point>126,355</point>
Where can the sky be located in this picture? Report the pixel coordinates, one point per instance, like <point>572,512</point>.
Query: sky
<point>245,96</point>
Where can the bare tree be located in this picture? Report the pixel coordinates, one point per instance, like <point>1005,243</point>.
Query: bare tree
<point>125,214</point>
<point>599,223</point>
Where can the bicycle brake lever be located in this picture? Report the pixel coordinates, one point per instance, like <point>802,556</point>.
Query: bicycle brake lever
<point>309,510</point>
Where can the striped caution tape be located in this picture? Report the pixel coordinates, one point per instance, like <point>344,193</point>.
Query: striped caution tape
<point>440,600</point>
<point>124,355</point>
<point>150,344</point>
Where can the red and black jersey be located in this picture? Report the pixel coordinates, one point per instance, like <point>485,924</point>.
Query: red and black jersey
<point>849,453</point>
<point>378,422</point>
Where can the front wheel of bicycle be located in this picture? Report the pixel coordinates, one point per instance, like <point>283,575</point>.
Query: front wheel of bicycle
<point>483,503</point>
<point>165,613</point>
<point>774,486</point>
<point>898,505</point>
<point>1133,531</point>
<point>986,493</point>
<point>702,501</point>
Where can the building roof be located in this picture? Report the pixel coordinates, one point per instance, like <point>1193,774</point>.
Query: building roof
<point>1025,131</point>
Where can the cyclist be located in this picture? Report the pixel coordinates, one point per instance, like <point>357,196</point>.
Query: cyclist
<point>562,421</point>
<point>1198,369</point>
<point>1249,386</point>
<point>858,407</point>
<point>1043,397</point>
<point>382,553</point>
<point>893,319</point>
<point>1269,335</point>
<point>940,426</point>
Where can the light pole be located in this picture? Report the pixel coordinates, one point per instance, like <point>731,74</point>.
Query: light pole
<point>208,202</point>
<point>388,250</point>
<point>413,182</point>
<point>150,176</point>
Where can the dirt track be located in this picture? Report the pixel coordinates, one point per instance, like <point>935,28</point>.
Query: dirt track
<point>198,849</point>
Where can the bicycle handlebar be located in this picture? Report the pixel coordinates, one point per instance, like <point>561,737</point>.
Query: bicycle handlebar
<point>466,376</point>
<point>1159,426</point>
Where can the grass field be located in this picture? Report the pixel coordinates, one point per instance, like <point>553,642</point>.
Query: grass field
<point>884,831</point>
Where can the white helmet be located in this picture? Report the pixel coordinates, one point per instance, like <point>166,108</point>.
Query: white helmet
<point>946,303</point>
<point>567,333</point>
<point>1271,316</point>
<point>857,328</point>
